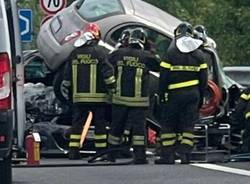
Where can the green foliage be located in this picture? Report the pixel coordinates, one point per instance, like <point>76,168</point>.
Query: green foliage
<point>227,22</point>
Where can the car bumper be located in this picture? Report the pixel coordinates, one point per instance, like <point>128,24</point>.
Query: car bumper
<point>6,132</point>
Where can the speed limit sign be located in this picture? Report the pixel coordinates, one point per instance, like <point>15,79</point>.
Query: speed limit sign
<point>52,6</point>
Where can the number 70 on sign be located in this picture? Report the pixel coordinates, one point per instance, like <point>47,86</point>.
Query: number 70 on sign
<point>52,6</point>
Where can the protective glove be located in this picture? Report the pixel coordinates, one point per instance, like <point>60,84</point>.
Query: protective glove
<point>64,88</point>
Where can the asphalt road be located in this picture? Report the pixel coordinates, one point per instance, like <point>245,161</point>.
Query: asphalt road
<point>228,173</point>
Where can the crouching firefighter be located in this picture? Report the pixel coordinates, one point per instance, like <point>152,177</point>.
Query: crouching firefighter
<point>90,75</point>
<point>131,99</point>
<point>240,128</point>
<point>183,79</point>
<point>246,133</point>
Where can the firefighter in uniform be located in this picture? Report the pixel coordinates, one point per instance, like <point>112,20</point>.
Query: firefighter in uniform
<point>246,135</point>
<point>123,40</point>
<point>240,119</point>
<point>90,75</point>
<point>208,47</point>
<point>131,99</point>
<point>183,79</point>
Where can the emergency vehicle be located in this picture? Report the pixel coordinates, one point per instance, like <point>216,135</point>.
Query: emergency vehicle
<point>11,84</point>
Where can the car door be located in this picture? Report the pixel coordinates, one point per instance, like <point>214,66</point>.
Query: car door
<point>11,95</point>
<point>6,105</point>
<point>158,42</point>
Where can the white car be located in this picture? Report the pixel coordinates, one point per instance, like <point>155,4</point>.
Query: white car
<point>56,36</point>
<point>9,58</point>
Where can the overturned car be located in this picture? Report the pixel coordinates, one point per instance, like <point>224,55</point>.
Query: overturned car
<point>55,42</point>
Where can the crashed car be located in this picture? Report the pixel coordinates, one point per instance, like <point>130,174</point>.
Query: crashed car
<point>57,35</point>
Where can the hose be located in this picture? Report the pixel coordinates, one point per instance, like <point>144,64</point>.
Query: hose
<point>211,106</point>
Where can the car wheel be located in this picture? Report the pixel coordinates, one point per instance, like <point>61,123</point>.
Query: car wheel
<point>56,84</point>
<point>6,170</point>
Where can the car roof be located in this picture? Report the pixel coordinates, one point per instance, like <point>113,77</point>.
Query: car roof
<point>237,68</point>
<point>159,17</point>
<point>140,12</point>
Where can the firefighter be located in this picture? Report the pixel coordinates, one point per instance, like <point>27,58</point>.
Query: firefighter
<point>183,79</point>
<point>91,76</point>
<point>238,118</point>
<point>123,40</point>
<point>200,32</point>
<point>241,106</point>
<point>130,101</point>
<point>246,134</point>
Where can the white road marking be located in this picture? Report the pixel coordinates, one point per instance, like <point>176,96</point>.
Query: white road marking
<point>223,169</point>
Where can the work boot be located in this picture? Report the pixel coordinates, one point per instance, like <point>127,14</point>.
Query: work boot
<point>140,155</point>
<point>185,158</point>
<point>100,155</point>
<point>140,161</point>
<point>111,157</point>
<point>166,159</point>
<point>74,154</point>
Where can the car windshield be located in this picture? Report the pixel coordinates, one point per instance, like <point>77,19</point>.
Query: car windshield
<point>92,10</point>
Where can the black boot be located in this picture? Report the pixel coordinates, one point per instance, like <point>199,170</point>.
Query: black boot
<point>166,159</point>
<point>185,158</point>
<point>113,152</point>
<point>100,155</point>
<point>74,154</point>
<point>140,156</point>
<point>140,161</point>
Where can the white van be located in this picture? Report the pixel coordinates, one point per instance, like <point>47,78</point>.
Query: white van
<point>10,59</point>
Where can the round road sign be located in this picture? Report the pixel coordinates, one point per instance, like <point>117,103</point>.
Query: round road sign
<point>52,6</point>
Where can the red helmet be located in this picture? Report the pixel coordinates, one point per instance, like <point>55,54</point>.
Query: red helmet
<point>94,29</point>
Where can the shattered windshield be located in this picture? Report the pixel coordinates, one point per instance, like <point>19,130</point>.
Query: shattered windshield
<point>96,9</point>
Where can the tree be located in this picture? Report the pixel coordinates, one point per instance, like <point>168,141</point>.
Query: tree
<point>227,22</point>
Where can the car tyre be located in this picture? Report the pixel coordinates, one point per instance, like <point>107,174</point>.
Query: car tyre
<point>56,84</point>
<point>6,170</point>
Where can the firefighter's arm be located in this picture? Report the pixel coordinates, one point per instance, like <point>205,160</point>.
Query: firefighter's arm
<point>203,81</point>
<point>108,74</point>
<point>238,114</point>
<point>152,62</point>
<point>66,81</point>
<point>164,81</point>
<point>67,71</point>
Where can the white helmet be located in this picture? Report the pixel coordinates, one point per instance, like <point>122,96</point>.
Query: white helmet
<point>84,39</point>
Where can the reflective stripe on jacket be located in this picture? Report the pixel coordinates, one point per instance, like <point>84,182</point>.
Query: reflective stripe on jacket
<point>132,68</point>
